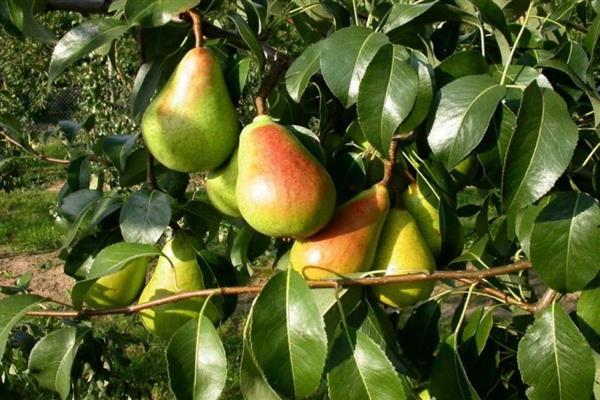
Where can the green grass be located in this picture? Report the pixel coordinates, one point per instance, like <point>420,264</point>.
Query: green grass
<point>25,222</point>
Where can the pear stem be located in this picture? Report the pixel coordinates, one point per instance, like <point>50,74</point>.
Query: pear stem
<point>471,276</point>
<point>150,177</point>
<point>268,84</point>
<point>196,26</point>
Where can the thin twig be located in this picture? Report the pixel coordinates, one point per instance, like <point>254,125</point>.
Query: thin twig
<point>268,84</point>
<point>150,177</point>
<point>530,308</point>
<point>321,284</point>
<point>196,26</point>
<point>547,299</point>
<point>388,165</point>
<point>34,153</point>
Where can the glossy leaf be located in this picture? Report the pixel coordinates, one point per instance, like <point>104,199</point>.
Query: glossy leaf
<point>554,358</point>
<point>587,311</point>
<point>249,38</point>
<point>424,98</point>
<point>302,69</point>
<point>358,369</point>
<point>145,216</point>
<point>345,57</point>
<point>401,14</point>
<point>155,12</point>
<point>12,309</point>
<point>287,335</point>
<point>82,40</point>
<point>114,257</point>
<point>253,384</point>
<point>449,380</point>
<point>465,109</point>
<point>51,359</point>
<point>118,148</point>
<point>540,149</point>
<point>590,41</point>
<point>460,65</point>
<point>570,226</point>
<point>196,361</point>
<point>386,96</point>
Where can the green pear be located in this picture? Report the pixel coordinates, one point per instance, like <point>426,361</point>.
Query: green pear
<point>120,288</point>
<point>176,271</point>
<point>220,187</point>
<point>465,172</point>
<point>402,250</point>
<point>192,125</point>
<point>426,215</point>
<point>347,244</point>
<point>282,190</point>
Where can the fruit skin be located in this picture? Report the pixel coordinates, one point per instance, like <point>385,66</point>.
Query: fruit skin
<point>401,250</point>
<point>347,244</point>
<point>183,275</point>
<point>426,215</point>
<point>466,171</point>
<point>119,289</point>
<point>192,125</point>
<point>220,187</point>
<point>282,190</point>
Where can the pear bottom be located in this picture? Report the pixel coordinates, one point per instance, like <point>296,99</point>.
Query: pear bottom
<point>404,294</point>
<point>119,289</point>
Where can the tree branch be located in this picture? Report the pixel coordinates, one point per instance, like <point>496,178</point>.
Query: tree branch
<point>34,153</point>
<point>546,300</point>
<point>472,276</point>
<point>388,165</point>
<point>268,84</point>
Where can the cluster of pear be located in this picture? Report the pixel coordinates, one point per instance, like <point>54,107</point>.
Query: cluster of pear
<point>273,183</point>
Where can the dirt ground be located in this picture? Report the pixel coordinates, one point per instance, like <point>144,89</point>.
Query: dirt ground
<point>48,278</point>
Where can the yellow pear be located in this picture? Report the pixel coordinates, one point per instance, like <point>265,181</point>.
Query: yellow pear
<point>426,215</point>
<point>220,188</point>
<point>176,271</point>
<point>402,250</point>
<point>119,289</point>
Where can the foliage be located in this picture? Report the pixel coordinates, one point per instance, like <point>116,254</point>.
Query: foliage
<point>495,110</point>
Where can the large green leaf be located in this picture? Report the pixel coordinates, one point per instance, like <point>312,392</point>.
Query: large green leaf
<point>19,14</point>
<point>564,242</point>
<point>302,69</point>
<point>253,384</point>
<point>345,57</point>
<point>51,359</point>
<point>424,94</point>
<point>540,149</point>
<point>590,40</point>
<point>118,148</point>
<point>358,369</point>
<point>287,335</point>
<point>249,38</point>
<point>155,12</point>
<point>401,14</point>
<point>464,112</point>
<point>145,216</point>
<point>492,149</point>
<point>196,361</point>
<point>386,96</point>
<point>459,65</point>
<point>587,311</point>
<point>82,40</point>
<point>449,380</point>
<point>12,309</point>
<point>554,358</point>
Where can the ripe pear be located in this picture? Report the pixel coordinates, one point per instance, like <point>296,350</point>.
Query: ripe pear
<point>220,187</point>
<point>176,271</point>
<point>426,215</point>
<point>282,190</point>
<point>402,250</point>
<point>120,288</point>
<point>192,125</point>
<point>347,244</point>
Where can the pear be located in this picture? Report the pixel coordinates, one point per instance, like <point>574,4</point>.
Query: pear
<point>402,250</point>
<point>465,171</point>
<point>282,190</point>
<point>192,125</point>
<point>426,215</point>
<point>176,271</point>
<point>347,244</point>
<point>220,188</point>
<point>120,288</point>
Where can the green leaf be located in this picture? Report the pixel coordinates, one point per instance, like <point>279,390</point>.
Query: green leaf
<point>19,14</point>
<point>236,76</point>
<point>302,69</point>
<point>114,257</point>
<point>386,96</point>
<point>145,216</point>
<point>155,12</point>
<point>460,65</point>
<point>449,380</point>
<point>477,330</point>
<point>74,204</point>
<point>587,311</point>
<point>465,109</point>
<point>118,148</point>
<point>12,309</point>
<point>345,57</point>
<point>554,358</point>
<point>401,14</point>
<point>249,38</point>
<point>51,359</point>
<point>540,149</point>
<point>590,41</point>
<point>287,335</point>
<point>78,173</point>
<point>82,40</point>
<point>564,242</point>
<point>492,149</point>
<point>424,94</point>
<point>524,223</point>
<point>196,361</point>
<point>358,369</point>
<point>420,335</point>
<point>253,384</point>
<point>492,14</point>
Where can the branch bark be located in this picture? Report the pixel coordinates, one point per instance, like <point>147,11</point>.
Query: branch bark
<point>267,85</point>
<point>471,276</point>
<point>32,152</point>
